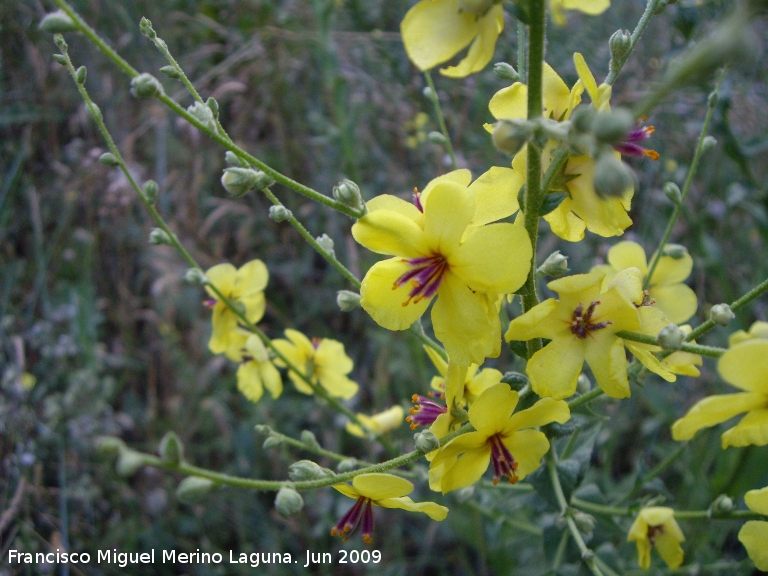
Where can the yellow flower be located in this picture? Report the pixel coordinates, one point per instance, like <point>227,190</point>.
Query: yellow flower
<point>383,490</point>
<point>379,423</point>
<point>434,31</point>
<point>746,367</point>
<point>757,330</point>
<point>501,438</point>
<point>244,288</point>
<point>441,251</point>
<point>582,325</point>
<point>666,290</point>
<point>257,371</point>
<point>656,526</point>
<point>476,381</point>
<point>591,7</point>
<point>583,208</point>
<point>322,361</point>
<point>754,534</point>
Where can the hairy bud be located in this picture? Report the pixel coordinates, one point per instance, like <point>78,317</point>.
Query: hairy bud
<point>348,193</point>
<point>612,127</point>
<point>109,159</point>
<point>722,504</point>
<point>171,72</point>
<point>554,266</point>
<point>81,74</point>
<point>239,181</point>
<point>583,385</point>
<point>171,449</point>
<point>708,144</point>
<point>57,23</point>
<point>672,192</point>
<point>146,86</point>
<point>196,276</point>
<point>429,93</point>
<point>308,470</point>
<point>426,441</point>
<point>515,379</point>
<point>288,502</point>
<point>149,191</point>
<point>722,314</point>
<point>202,114</point>
<point>505,71</point>
<point>194,489</point>
<point>128,462</point>
<point>510,135</point>
<point>346,465</point>
<point>326,243</point>
<point>158,237</point>
<point>232,159</point>
<point>584,522</point>
<point>347,300</point>
<point>619,44</point>
<point>279,213</point>
<point>437,138</point>
<point>671,337</point>
<point>109,446</point>
<point>612,177</point>
<point>674,251</point>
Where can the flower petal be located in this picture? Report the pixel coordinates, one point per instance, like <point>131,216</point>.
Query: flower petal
<point>754,535</point>
<point>462,177</point>
<point>669,549</point>
<point>448,210</point>
<point>223,277</point>
<point>591,7</point>
<point>532,323</point>
<point>496,194</point>
<point>481,50</point>
<point>387,305</point>
<point>396,204</point>
<point>672,270</point>
<point>757,501</point>
<point>608,361</point>
<point>381,486</point>
<point>224,331</point>
<point>510,102</point>
<point>347,490</point>
<point>564,223</point>
<point>250,278</point>
<point>330,356</point>
<point>556,95</point>
<point>657,515</point>
<point>714,410</point>
<point>752,430</point>
<point>249,381</point>
<point>467,470</point>
<point>746,366</point>
<point>337,384</point>
<point>491,411</point>
<point>677,301</point>
<point>431,509</point>
<point>391,233</point>
<point>628,255</point>
<point>545,411</point>
<point>554,369</point>
<point>527,447</point>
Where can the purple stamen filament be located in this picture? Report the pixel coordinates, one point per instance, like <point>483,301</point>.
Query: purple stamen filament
<point>503,462</point>
<point>424,411</point>
<point>630,146</point>
<point>582,325</point>
<point>425,276</point>
<point>361,510</point>
<point>417,200</point>
<point>210,303</point>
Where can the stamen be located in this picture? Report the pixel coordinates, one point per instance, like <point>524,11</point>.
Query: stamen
<point>210,303</point>
<point>502,460</point>
<point>417,200</point>
<point>654,531</point>
<point>367,523</point>
<point>424,411</point>
<point>581,323</point>
<point>425,276</point>
<point>316,342</point>
<point>346,526</point>
<point>630,147</point>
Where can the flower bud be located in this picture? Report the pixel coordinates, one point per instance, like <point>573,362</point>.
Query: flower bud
<point>213,106</point>
<point>195,276</point>
<point>326,243</point>
<point>61,59</point>
<point>510,135</point>
<point>109,159</point>
<point>554,266</point>
<point>583,119</point>
<point>202,114</point>
<point>128,462</point>
<point>145,26</point>
<point>620,44</point>
<point>583,385</point>
<point>288,502</point>
<point>347,300</point>
<point>109,446</point>
<point>146,86</point>
<point>346,465</point>
<point>722,504</point>
<point>262,429</point>
<point>149,191</point>
<point>57,22</point>
<point>81,74</point>
<point>612,126</point>
<point>612,177</point>
<point>158,237</point>
<point>232,159</point>
<point>426,441</point>
<point>308,470</point>
<point>429,93</point>
<point>515,380</point>
<point>272,442</point>
<point>239,181</point>
<point>584,522</point>
<point>721,314</point>
<point>708,143</point>
<point>279,213</point>
<point>348,193</point>
<point>672,192</point>
<point>436,138</point>
<point>171,72</point>
<point>171,449</point>
<point>505,71</point>
<point>309,439</point>
<point>194,489</point>
<point>478,7</point>
<point>671,337</point>
<point>674,251</point>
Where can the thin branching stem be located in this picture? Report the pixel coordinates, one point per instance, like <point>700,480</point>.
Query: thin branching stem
<point>711,351</point>
<point>603,510</point>
<point>650,8</point>
<point>440,118</point>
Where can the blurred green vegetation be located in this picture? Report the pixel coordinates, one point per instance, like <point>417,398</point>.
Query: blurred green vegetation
<point>320,90</point>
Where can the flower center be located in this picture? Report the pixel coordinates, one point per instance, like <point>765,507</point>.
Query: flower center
<point>647,300</point>
<point>424,412</point>
<point>582,325</point>
<point>654,531</point>
<point>630,146</point>
<point>501,459</point>
<point>425,275</point>
<point>349,522</point>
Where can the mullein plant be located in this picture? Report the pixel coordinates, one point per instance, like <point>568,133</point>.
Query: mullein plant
<point>462,248</point>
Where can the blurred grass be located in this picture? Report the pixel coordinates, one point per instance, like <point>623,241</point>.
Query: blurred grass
<point>320,90</point>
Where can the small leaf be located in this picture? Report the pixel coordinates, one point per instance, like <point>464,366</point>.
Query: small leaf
<point>551,201</point>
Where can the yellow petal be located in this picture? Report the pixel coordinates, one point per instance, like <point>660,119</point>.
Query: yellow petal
<point>585,74</point>
<point>757,500</point>
<point>554,369</point>
<point>250,278</point>
<point>496,194</point>
<point>347,490</point>
<point>270,378</point>
<point>556,95</point>
<point>254,306</point>
<point>462,177</point>
<point>387,306</point>
<point>395,204</point>
<point>249,381</point>
<point>672,270</point>
<point>222,276</point>
<point>650,361</point>
<point>545,411</point>
<point>337,384</point>
<point>224,329</point>
<point>491,411</point>
<point>301,342</point>
<point>657,515</point>
<point>669,549</point>
<point>437,360</point>
<point>434,31</point>
<point>714,410</point>
<point>496,258</point>
<point>644,554</point>
<point>638,532</point>
<point>481,50</point>
<point>391,233</point>
<point>448,210</point>
<point>380,486</point>
<point>677,301</point>
<point>591,7</point>
<point>510,102</point>
<point>754,535</point>
<point>485,379</point>
<point>431,509</point>
<point>527,447</point>
<point>752,430</point>
<point>529,325</point>
<point>627,255</point>
<point>467,470</point>
<point>746,366</point>
<point>455,376</point>
<point>608,361</point>
<point>330,356</point>
<point>565,224</point>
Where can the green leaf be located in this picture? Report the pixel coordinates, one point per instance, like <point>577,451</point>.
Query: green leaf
<point>551,201</point>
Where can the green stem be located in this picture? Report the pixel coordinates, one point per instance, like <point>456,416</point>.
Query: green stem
<point>585,398</point>
<point>658,469</point>
<point>440,118</point>
<point>617,65</point>
<point>602,510</point>
<point>521,57</point>
<point>688,181</point>
<point>710,351</point>
<point>207,130</point>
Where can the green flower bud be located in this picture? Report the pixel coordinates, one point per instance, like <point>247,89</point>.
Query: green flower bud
<point>309,439</point>
<point>158,237</point>
<point>584,522</point>
<point>479,7</point>
<point>202,114</point>
<point>128,462</point>
<point>109,446</point>
<point>721,505</point>
<point>308,470</point>
<point>516,380</point>
<point>171,449</point>
<point>109,159</point>
<point>671,337</point>
<point>510,135</point>
<point>194,489</point>
<point>346,465</point>
<point>712,99</point>
<point>674,251</point>
<point>722,314</point>
<point>326,243</point>
<point>620,44</point>
<point>149,190</point>
<point>146,28</point>
<point>232,159</point>
<point>57,23</point>
<point>239,181</point>
<point>288,502</point>
<point>583,385</point>
<point>554,266</point>
<point>347,300</point>
<point>146,86</point>
<point>171,72</point>
<point>213,106</point>
<point>612,127</point>
<point>429,93</point>
<point>195,276</point>
<point>58,39</point>
<point>348,193</point>
<point>583,119</point>
<point>262,429</point>
<point>279,213</point>
<point>505,71</point>
<point>612,177</point>
<point>272,442</point>
<point>61,59</point>
<point>672,192</point>
<point>437,138</point>
<point>426,441</point>
<point>81,74</point>
<point>661,5</point>
<point>708,143</point>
